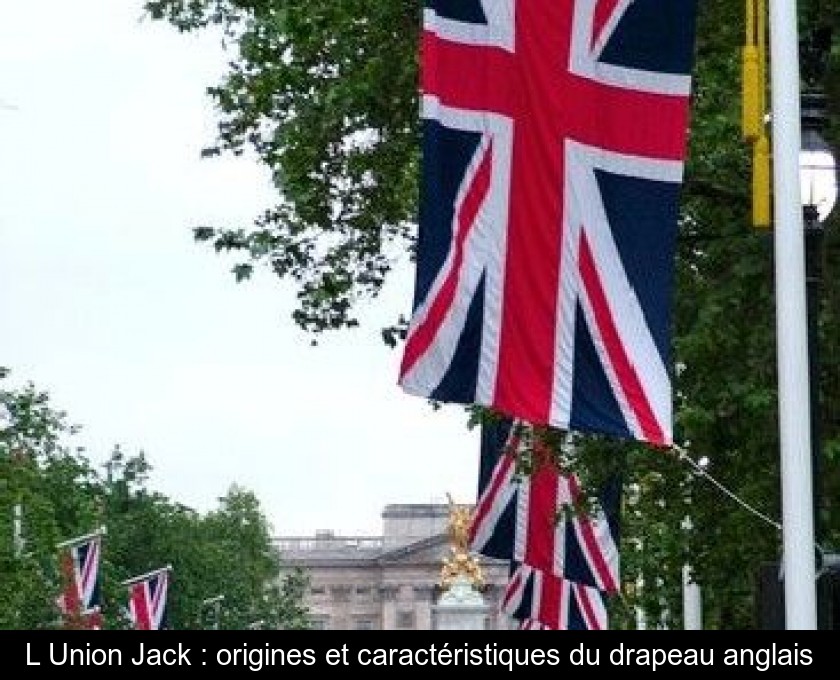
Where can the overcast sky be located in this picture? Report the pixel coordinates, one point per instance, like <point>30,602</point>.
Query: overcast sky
<point>141,334</point>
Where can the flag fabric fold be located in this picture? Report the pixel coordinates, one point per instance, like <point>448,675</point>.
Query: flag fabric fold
<point>80,602</point>
<point>541,518</point>
<point>147,602</point>
<point>562,550</point>
<point>554,137</point>
<point>540,601</point>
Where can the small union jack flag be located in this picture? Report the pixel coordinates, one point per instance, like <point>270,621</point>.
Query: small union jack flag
<point>540,601</point>
<point>538,518</point>
<point>554,139</point>
<point>147,600</point>
<point>79,602</point>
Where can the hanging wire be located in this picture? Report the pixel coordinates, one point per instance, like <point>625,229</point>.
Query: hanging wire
<point>829,559</point>
<point>701,471</point>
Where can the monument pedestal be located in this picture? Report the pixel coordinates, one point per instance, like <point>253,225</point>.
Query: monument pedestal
<point>461,607</point>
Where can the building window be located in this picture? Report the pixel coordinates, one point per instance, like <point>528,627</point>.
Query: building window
<point>364,624</point>
<point>387,593</point>
<point>363,590</point>
<point>341,593</point>
<point>317,590</point>
<point>405,619</point>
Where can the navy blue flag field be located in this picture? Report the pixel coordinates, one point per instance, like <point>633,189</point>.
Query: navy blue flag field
<point>554,141</point>
<point>540,519</point>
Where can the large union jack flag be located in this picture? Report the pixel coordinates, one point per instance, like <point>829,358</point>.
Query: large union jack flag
<point>79,601</point>
<point>147,600</point>
<point>539,518</point>
<point>540,601</point>
<point>554,139</point>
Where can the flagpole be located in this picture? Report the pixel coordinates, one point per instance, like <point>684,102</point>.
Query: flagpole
<point>101,531</point>
<point>148,574</point>
<point>791,324</point>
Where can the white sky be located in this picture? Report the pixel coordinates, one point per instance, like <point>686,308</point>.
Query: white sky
<point>141,334</point>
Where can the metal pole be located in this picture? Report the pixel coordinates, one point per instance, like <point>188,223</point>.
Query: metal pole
<point>813,264</point>
<point>217,609</point>
<point>17,530</point>
<point>692,602</point>
<point>148,574</point>
<point>791,324</point>
<point>692,599</point>
<point>101,531</point>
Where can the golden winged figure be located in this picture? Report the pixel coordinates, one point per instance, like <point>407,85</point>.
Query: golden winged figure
<point>460,562</point>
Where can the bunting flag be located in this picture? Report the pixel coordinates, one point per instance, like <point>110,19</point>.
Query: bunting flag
<point>539,519</point>
<point>540,601</point>
<point>147,602</point>
<point>79,601</point>
<point>554,139</point>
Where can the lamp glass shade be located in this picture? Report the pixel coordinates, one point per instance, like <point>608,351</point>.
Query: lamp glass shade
<point>817,175</point>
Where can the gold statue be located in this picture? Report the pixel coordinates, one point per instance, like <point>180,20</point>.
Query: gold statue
<point>460,562</point>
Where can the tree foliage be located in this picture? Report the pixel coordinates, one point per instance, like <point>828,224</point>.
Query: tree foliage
<point>326,94</point>
<point>58,496</point>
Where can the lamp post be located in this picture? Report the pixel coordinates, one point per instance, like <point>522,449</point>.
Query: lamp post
<point>818,183</point>
<point>216,602</point>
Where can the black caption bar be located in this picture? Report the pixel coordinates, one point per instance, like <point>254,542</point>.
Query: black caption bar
<point>508,651</point>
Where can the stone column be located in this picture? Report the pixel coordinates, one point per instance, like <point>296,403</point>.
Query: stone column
<point>423,597</point>
<point>388,595</point>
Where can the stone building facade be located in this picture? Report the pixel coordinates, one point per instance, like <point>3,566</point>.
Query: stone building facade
<point>389,582</point>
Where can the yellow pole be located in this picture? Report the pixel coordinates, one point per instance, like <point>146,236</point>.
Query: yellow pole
<point>751,113</point>
<point>761,182</point>
<point>761,149</point>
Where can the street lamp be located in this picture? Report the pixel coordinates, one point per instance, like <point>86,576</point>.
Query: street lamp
<point>818,183</point>
<point>216,602</point>
<point>817,165</point>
